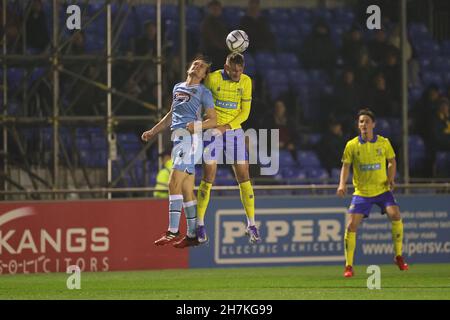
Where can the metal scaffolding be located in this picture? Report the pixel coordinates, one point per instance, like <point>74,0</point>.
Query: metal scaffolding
<point>50,84</point>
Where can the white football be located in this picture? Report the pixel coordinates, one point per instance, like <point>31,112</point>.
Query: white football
<point>237,41</point>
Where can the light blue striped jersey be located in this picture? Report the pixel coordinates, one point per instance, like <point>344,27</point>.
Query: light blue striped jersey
<point>188,104</point>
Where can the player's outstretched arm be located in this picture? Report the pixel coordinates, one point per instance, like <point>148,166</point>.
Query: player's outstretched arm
<point>160,126</point>
<point>345,172</point>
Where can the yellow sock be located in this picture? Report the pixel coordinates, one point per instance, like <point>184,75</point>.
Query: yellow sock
<point>397,236</point>
<point>204,191</point>
<point>349,247</point>
<point>248,200</point>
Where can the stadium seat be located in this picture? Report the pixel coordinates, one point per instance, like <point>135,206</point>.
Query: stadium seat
<point>323,14</point>
<point>343,16</point>
<point>445,48</point>
<point>146,12</point>
<point>298,76</point>
<point>15,77</point>
<point>169,12</point>
<point>313,138</point>
<point>443,164</point>
<point>287,61</point>
<point>233,16</point>
<point>335,175</point>
<point>308,159</point>
<point>286,158</point>
<point>429,78</point>
<point>301,14</point>
<point>278,15</point>
<point>292,173</point>
<point>383,127</point>
<point>414,94</point>
<point>265,61</point>
<point>317,175</point>
<point>441,64</point>
<point>276,77</point>
<point>277,91</point>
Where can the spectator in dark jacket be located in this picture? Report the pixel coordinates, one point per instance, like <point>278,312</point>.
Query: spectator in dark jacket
<point>331,146</point>
<point>441,126</point>
<point>146,44</point>
<point>423,110</point>
<point>257,28</point>
<point>347,100</point>
<point>213,34</point>
<point>352,47</point>
<point>391,70</point>
<point>379,47</point>
<point>381,99</point>
<point>319,51</point>
<point>36,27</point>
<point>281,121</point>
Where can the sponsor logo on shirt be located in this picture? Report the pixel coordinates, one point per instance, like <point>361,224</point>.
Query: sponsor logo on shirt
<point>181,96</point>
<point>370,167</point>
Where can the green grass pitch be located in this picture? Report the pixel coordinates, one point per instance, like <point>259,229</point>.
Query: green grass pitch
<point>424,281</point>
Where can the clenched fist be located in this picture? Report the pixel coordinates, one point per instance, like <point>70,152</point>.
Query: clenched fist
<point>147,135</point>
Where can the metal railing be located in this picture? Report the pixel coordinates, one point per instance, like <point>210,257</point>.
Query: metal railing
<point>442,187</point>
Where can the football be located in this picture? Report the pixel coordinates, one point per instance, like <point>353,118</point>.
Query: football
<point>237,41</point>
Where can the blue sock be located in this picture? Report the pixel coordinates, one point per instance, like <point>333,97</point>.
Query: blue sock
<point>175,204</point>
<point>190,210</point>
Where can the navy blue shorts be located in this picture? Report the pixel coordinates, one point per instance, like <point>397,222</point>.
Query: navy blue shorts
<point>364,204</point>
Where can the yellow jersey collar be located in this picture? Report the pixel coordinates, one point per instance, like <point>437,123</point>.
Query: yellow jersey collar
<point>225,76</point>
<point>374,139</point>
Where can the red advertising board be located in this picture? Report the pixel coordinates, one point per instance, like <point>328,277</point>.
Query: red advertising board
<point>95,235</point>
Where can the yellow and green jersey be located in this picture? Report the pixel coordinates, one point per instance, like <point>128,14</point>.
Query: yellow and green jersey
<point>232,99</point>
<point>368,160</point>
<point>162,181</point>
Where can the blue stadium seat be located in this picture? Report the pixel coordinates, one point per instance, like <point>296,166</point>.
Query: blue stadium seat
<point>335,175</point>
<point>15,77</point>
<point>146,12</point>
<point>293,173</point>
<point>287,61</point>
<point>298,76</point>
<point>443,164</point>
<point>277,91</point>
<point>300,14</point>
<point>343,16</point>
<point>275,77</point>
<point>308,159</point>
<point>169,11</point>
<point>194,13</point>
<point>304,28</point>
<point>414,94</point>
<point>224,173</point>
<point>429,78</point>
<point>324,14</point>
<point>445,48</point>
<point>416,152</point>
<point>441,64</point>
<point>278,15</point>
<point>286,158</point>
<point>233,16</point>
<point>313,138</point>
<point>265,61</point>
<point>317,175</point>
<point>383,127</point>
<point>318,77</point>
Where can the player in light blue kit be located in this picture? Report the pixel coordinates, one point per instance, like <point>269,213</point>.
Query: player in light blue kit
<point>191,99</point>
